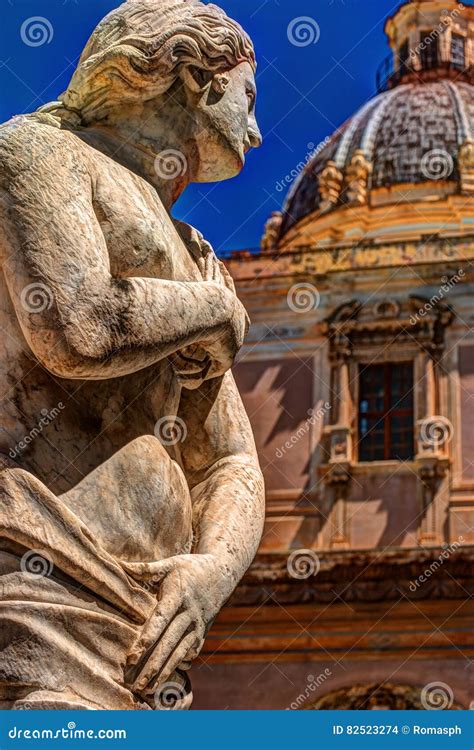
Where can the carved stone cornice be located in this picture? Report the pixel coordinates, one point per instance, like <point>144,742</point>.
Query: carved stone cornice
<point>360,577</point>
<point>321,259</point>
<point>338,328</point>
<point>355,324</point>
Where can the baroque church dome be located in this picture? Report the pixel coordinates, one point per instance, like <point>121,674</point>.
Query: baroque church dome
<point>413,141</point>
<point>410,134</point>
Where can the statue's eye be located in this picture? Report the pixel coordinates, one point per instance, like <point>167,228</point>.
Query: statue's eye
<point>251,99</point>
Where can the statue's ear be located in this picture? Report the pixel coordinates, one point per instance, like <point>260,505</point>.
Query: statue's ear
<point>196,79</point>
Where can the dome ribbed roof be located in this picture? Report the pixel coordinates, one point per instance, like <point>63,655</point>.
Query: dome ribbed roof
<point>409,134</point>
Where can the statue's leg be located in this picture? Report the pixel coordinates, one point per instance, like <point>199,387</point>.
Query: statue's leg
<point>137,503</point>
<point>69,615</point>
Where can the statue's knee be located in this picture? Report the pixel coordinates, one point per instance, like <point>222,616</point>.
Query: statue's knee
<point>157,497</point>
<point>148,462</point>
<point>147,447</point>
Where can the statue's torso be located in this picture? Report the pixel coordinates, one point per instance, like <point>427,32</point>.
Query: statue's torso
<point>62,429</point>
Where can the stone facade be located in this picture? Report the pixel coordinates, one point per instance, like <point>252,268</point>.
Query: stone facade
<point>359,596</point>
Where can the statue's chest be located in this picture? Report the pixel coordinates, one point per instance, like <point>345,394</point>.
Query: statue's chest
<point>139,234</point>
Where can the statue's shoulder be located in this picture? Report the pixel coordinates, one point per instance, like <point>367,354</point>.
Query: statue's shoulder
<point>36,142</point>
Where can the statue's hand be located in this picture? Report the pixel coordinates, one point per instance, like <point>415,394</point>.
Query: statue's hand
<point>192,590</point>
<point>211,268</point>
<point>211,357</point>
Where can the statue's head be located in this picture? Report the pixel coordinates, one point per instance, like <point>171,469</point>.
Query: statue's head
<point>154,56</point>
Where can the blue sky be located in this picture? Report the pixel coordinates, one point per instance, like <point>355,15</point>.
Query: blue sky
<point>304,92</point>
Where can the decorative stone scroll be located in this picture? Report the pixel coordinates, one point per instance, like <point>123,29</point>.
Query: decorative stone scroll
<point>330,185</point>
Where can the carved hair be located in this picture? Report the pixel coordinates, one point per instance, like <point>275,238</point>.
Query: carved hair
<point>137,51</point>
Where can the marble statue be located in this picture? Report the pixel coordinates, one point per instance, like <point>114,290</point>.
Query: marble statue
<point>131,497</point>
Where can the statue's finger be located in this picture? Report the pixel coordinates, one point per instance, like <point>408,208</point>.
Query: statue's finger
<point>161,653</point>
<point>196,647</point>
<point>164,612</point>
<point>177,656</point>
<point>216,271</point>
<point>210,266</point>
<point>146,571</point>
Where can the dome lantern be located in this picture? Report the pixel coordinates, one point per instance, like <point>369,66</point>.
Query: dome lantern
<point>410,147</point>
<point>429,39</point>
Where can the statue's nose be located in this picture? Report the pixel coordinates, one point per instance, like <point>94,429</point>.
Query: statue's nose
<point>255,136</point>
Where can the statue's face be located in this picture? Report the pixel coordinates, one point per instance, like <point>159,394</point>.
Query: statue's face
<point>226,127</point>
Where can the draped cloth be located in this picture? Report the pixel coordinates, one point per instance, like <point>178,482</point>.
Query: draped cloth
<point>69,614</point>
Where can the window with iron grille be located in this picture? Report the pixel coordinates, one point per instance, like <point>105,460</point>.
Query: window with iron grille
<point>458,55</point>
<point>386,415</point>
<point>428,50</point>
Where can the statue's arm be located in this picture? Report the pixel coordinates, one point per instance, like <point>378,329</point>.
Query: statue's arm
<point>221,465</point>
<point>78,319</point>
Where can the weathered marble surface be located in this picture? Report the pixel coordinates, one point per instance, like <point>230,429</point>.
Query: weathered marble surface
<point>131,497</point>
